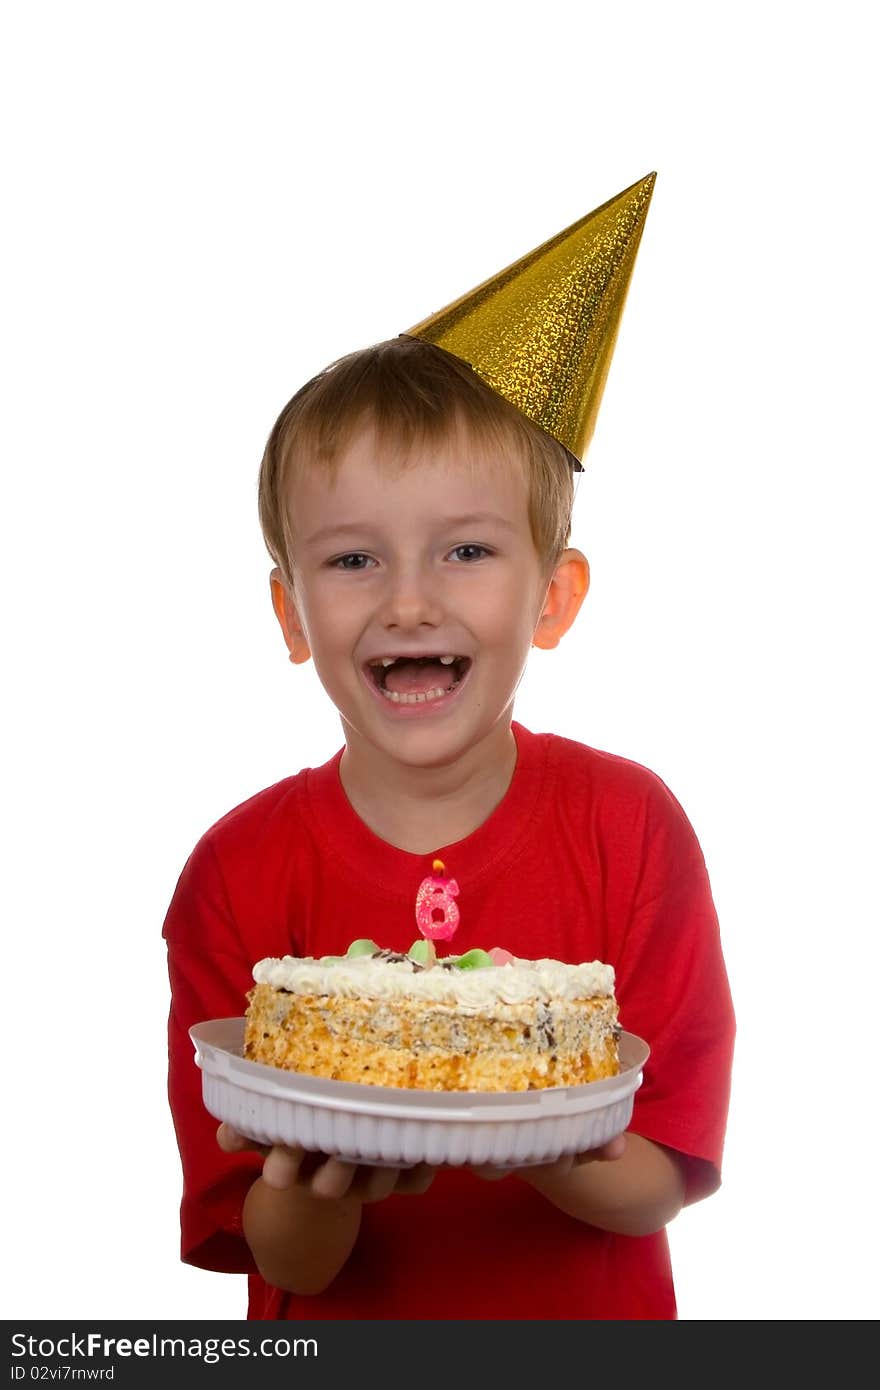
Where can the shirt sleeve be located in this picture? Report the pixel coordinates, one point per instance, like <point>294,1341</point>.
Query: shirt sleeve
<point>673,992</point>
<point>210,975</point>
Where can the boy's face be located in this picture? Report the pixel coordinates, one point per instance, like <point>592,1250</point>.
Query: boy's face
<point>397,570</point>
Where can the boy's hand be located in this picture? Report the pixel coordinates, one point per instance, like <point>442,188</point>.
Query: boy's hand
<point>541,1172</point>
<point>324,1176</point>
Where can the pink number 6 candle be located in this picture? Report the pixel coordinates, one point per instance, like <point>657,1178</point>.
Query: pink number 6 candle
<point>437,894</point>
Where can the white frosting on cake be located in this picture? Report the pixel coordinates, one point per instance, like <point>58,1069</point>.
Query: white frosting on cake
<point>518,982</point>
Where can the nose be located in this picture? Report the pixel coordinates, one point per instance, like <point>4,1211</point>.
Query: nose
<point>411,599</point>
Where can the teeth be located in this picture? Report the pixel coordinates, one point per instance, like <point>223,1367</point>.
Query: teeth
<point>390,660</point>
<point>419,699</point>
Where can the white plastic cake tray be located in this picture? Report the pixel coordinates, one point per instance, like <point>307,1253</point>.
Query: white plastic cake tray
<point>399,1128</point>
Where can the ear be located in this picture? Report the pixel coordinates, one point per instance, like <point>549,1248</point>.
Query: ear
<point>288,616</point>
<point>568,588</point>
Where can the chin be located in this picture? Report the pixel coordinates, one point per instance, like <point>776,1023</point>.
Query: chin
<point>434,748</point>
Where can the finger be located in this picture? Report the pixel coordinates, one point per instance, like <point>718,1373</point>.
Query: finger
<point>490,1173</point>
<point>615,1148</point>
<point>229,1139</point>
<point>282,1167</point>
<point>374,1185</point>
<point>333,1178</point>
<point>412,1182</point>
<point>231,1142</point>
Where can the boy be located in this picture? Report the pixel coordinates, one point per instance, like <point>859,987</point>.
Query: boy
<point>416,515</point>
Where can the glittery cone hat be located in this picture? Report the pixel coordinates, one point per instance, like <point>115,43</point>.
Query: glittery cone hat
<point>542,332</point>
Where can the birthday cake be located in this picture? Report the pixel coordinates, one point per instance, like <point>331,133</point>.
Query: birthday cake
<point>461,1023</point>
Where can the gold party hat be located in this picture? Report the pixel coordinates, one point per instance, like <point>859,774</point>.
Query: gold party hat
<point>542,332</point>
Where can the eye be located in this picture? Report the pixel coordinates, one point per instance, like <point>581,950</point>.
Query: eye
<point>353,561</point>
<point>466,554</point>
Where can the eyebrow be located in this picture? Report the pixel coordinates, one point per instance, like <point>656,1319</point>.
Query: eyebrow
<point>357,528</point>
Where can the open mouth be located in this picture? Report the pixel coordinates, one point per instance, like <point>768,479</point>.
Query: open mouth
<point>414,680</point>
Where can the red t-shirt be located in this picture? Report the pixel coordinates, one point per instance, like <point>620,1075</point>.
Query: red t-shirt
<point>588,856</point>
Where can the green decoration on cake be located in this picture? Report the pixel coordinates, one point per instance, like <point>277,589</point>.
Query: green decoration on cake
<point>363,947</point>
<point>474,960</point>
<point>420,952</point>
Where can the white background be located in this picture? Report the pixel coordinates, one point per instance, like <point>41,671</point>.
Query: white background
<point>205,203</point>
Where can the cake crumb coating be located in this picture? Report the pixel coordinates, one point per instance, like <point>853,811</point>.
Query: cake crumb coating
<point>432,1045</point>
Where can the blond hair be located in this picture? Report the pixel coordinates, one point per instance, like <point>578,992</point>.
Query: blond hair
<point>410,392</point>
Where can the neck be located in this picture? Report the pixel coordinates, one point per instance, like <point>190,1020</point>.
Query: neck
<point>420,809</point>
